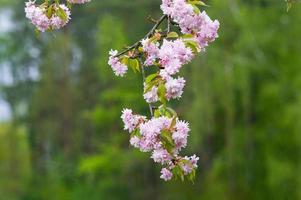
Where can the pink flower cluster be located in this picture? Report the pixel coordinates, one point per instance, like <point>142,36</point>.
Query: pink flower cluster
<point>198,24</point>
<point>119,68</point>
<point>174,89</point>
<point>38,16</point>
<point>48,17</point>
<point>164,135</point>
<point>171,56</point>
<point>163,138</point>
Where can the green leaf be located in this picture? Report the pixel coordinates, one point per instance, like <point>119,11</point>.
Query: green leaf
<point>178,173</point>
<point>162,93</point>
<point>192,45</point>
<point>161,111</point>
<point>150,85</point>
<point>61,14</point>
<point>171,111</point>
<point>166,136</point>
<point>172,35</point>
<point>125,60</point>
<point>136,132</point>
<point>69,5</point>
<point>197,2</point>
<point>150,77</point>
<point>187,36</point>
<point>153,39</point>
<point>167,141</point>
<point>50,11</point>
<point>173,122</point>
<point>195,9</point>
<point>191,176</point>
<point>157,113</point>
<point>134,64</point>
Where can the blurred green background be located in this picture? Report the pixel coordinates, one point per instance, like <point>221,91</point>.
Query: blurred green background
<point>61,136</point>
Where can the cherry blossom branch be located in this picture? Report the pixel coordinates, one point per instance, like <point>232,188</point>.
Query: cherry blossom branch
<point>151,32</point>
<point>163,134</point>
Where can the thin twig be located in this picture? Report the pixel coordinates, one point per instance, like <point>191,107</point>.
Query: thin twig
<point>151,32</point>
<point>168,24</point>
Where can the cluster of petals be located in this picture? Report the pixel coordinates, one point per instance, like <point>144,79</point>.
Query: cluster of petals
<point>152,95</point>
<point>174,90</point>
<point>119,68</point>
<point>172,55</point>
<point>38,17</point>
<point>131,120</point>
<point>191,22</point>
<point>39,14</point>
<point>152,51</point>
<point>174,87</point>
<point>148,139</point>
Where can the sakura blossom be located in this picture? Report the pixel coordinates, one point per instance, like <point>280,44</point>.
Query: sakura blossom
<point>131,120</point>
<point>152,95</point>
<point>56,22</point>
<point>37,16</point>
<point>49,16</point>
<point>118,68</point>
<point>151,49</point>
<point>161,156</point>
<point>174,88</point>
<point>166,174</point>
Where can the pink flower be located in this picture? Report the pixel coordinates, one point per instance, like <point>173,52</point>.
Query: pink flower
<point>180,135</point>
<point>151,49</point>
<point>208,31</point>
<point>191,22</point>
<point>165,75</point>
<point>183,53</point>
<point>167,7</point>
<point>173,55</point>
<point>135,142</point>
<point>166,174</point>
<point>118,68</point>
<point>56,22</point>
<point>174,88</point>
<point>37,16</point>
<point>152,95</point>
<point>130,120</point>
<point>189,164</point>
<point>194,160</point>
<point>161,156</point>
